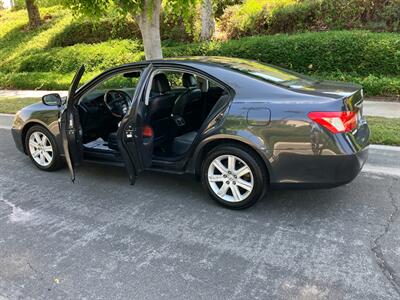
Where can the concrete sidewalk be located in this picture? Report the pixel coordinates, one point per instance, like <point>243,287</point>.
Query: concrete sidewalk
<point>371,106</point>
<point>382,109</point>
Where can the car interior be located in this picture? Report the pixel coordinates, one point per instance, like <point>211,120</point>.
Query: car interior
<point>178,104</point>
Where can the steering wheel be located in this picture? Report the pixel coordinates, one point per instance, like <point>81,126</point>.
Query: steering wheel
<point>117,102</point>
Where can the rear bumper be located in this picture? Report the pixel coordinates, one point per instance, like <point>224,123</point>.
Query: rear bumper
<point>307,171</point>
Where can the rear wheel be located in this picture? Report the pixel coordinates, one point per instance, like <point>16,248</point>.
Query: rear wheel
<point>233,177</point>
<point>42,148</point>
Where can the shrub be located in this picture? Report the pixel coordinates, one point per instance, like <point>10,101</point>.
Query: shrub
<point>89,32</point>
<point>297,17</point>
<point>391,14</point>
<point>250,18</point>
<point>269,17</point>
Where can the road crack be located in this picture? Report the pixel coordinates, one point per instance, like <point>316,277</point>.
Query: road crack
<point>386,269</point>
<point>35,271</point>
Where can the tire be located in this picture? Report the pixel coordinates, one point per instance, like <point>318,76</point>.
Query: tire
<point>233,192</point>
<point>44,139</point>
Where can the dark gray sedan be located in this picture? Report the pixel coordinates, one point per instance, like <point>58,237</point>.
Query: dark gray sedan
<point>238,125</point>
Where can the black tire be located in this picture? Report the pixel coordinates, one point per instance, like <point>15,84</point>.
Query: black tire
<point>254,163</point>
<point>56,162</point>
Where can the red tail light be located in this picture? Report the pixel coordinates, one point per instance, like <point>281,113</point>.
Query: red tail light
<point>147,131</point>
<point>335,122</point>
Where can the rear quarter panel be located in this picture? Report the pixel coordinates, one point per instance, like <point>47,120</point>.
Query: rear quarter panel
<point>296,150</point>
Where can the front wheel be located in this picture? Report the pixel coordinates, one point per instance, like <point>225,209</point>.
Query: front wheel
<point>42,148</point>
<point>233,177</point>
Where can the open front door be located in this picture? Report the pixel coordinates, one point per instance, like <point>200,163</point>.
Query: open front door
<point>70,127</point>
<point>135,138</point>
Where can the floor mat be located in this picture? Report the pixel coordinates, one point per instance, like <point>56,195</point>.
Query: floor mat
<point>98,144</point>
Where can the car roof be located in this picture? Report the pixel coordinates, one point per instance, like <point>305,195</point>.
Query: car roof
<point>220,61</point>
<point>216,61</point>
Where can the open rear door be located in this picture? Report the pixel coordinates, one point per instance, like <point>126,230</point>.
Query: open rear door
<point>135,138</point>
<point>70,127</point>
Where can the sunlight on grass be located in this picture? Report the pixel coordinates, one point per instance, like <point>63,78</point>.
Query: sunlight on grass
<point>11,105</point>
<point>19,43</point>
<point>384,131</point>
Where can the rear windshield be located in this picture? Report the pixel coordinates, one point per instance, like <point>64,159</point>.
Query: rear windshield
<point>267,72</point>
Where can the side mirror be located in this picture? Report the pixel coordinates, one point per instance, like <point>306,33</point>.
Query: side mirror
<point>52,100</point>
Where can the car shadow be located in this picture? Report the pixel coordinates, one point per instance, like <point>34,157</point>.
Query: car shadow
<point>183,189</point>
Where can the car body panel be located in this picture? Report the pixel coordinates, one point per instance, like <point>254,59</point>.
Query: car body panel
<point>296,150</point>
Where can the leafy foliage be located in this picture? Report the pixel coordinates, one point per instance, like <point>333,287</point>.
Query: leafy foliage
<point>308,15</point>
<point>47,57</point>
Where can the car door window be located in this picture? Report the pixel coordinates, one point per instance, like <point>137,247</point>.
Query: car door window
<point>125,82</point>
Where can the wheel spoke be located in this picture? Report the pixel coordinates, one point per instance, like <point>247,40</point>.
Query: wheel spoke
<point>231,163</point>
<point>216,178</point>
<point>48,149</point>
<point>220,166</point>
<point>41,159</point>
<point>45,141</point>
<point>47,156</point>
<point>244,184</point>
<point>37,137</point>
<point>35,154</point>
<point>236,193</point>
<point>33,143</point>
<point>243,171</point>
<point>222,191</point>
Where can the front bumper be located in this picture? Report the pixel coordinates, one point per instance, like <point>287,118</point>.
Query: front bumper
<point>17,136</point>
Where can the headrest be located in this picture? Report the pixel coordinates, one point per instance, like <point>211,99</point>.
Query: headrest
<point>160,84</point>
<point>188,80</point>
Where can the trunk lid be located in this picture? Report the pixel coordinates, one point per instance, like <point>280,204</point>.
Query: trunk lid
<point>329,88</point>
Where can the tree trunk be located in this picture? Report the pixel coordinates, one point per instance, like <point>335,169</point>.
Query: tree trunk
<point>33,14</point>
<point>207,20</point>
<point>149,25</point>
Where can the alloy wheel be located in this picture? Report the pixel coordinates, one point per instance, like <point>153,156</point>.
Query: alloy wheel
<point>230,178</point>
<point>40,148</point>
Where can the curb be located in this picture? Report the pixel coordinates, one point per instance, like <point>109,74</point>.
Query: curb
<point>384,147</point>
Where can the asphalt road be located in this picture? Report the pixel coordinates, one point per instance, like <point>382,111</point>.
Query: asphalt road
<point>165,239</point>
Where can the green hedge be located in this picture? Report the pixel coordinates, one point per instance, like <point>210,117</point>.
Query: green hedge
<point>358,52</point>
<point>371,59</point>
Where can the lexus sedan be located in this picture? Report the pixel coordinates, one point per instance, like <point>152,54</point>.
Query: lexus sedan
<point>238,125</point>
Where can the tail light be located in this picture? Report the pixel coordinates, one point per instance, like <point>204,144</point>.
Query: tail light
<point>335,122</point>
<point>148,131</point>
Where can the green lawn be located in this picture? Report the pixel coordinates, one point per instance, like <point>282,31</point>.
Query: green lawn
<point>11,105</point>
<point>384,131</point>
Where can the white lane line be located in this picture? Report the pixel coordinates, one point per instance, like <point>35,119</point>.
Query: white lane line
<point>5,127</point>
<point>381,170</point>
